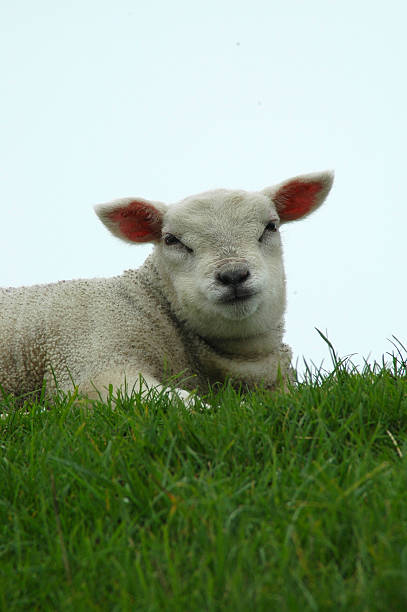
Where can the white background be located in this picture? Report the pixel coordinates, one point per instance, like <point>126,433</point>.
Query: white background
<point>104,99</point>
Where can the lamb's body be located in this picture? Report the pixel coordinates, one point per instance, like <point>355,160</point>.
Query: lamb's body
<point>74,331</point>
<point>206,306</point>
<point>81,331</point>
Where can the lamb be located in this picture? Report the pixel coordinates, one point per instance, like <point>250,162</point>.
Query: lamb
<point>206,306</point>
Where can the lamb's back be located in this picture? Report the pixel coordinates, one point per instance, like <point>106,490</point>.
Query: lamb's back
<point>68,332</point>
<point>45,331</point>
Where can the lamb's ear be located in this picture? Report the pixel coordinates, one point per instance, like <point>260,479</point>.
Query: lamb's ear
<point>133,219</point>
<point>301,195</point>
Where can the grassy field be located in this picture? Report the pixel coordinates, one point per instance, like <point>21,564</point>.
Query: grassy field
<point>294,501</point>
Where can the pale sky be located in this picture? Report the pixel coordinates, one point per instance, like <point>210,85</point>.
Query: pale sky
<point>104,99</point>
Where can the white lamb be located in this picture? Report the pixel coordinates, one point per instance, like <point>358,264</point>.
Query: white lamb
<point>207,305</point>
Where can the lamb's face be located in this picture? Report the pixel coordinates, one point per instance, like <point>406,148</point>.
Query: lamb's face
<point>221,252</point>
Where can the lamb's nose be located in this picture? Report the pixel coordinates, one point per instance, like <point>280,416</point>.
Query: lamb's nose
<point>233,276</point>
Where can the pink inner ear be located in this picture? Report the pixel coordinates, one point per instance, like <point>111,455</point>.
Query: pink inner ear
<point>138,221</point>
<point>296,199</point>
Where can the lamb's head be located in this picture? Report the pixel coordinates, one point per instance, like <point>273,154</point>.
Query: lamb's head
<point>219,253</point>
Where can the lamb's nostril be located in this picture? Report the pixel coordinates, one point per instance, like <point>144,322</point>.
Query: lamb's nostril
<point>234,276</point>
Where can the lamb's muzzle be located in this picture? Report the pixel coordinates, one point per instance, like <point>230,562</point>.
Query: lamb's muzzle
<point>233,275</point>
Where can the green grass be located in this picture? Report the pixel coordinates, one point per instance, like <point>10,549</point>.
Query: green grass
<point>294,501</point>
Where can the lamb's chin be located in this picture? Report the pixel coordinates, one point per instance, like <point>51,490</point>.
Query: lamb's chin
<point>238,310</point>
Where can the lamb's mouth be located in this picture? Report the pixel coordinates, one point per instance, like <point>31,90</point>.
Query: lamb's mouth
<point>237,297</point>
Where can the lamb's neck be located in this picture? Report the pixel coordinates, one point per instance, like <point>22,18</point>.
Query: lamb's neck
<point>253,347</point>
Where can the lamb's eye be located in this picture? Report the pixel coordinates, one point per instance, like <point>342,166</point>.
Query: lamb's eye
<point>271,227</point>
<point>170,239</point>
